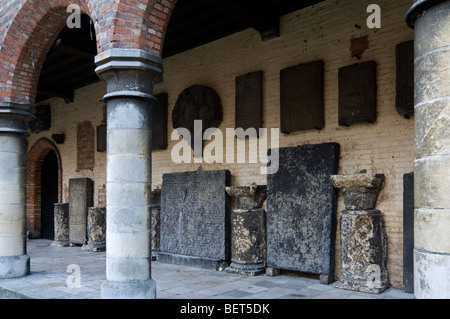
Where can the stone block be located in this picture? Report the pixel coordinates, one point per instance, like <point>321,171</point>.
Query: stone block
<point>81,195</point>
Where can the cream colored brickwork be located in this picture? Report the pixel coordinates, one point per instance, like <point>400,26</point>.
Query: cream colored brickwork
<point>323,31</point>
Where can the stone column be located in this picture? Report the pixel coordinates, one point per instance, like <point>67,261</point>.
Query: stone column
<point>363,239</point>
<point>96,229</point>
<point>61,225</point>
<point>156,222</point>
<point>129,75</point>
<point>248,231</point>
<point>14,261</point>
<point>431,22</point>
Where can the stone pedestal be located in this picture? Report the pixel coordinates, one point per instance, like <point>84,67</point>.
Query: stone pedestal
<point>155,210</point>
<point>363,239</point>
<point>61,213</point>
<point>96,228</point>
<point>248,231</point>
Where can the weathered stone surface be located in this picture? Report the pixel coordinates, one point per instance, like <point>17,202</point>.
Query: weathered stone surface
<point>249,101</point>
<point>248,242</point>
<point>155,208</point>
<point>360,190</point>
<point>363,251</point>
<point>433,284</point>
<point>301,209</point>
<point>195,219</point>
<point>432,230</point>
<point>408,232</point>
<point>43,120</point>
<point>81,194</point>
<point>96,227</point>
<point>61,225</point>
<point>248,197</point>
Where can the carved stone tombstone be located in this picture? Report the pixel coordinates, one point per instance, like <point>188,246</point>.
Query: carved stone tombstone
<point>61,214</point>
<point>155,208</point>
<point>43,120</point>
<point>81,193</point>
<point>249,101</point>
<point>301,211</point>
<point>195,219</point>
<point>358,93</point>
<point>96,228</point>
<point>302,97</point>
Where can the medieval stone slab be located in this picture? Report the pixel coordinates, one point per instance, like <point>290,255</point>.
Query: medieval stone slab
<point>358,94</point>
<point>61,213</point>
<point>101,138</point>
<point>301,210</point>
<point>155,210</point>
<point>43,120</point>
<point>96,228</point>
<point>195,219</point>
<point>302,97</point>
<point>405,79</point>
<point>249,101</point>
<point>408,232</point>
<point>81,193</point>
<point>159,122</point>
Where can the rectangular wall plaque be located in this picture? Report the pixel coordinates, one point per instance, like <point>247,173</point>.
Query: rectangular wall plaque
<point>249,101</point>
<point>358,93</point>
<point>159,123</point>
<point>302,97</point>
<point>405,79</point>
<point>81,194</point>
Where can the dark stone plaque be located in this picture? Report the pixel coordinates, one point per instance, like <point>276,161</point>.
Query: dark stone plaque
<point>43,120</point>
<point>81,193</point>
<point>405,79</point>
<point>101,138</point>
<point>249,101</point>
<point>301,210</point>
<point>358,93</point>
<point>302,97</point>
<point>159,123</point>
<point>408,232</point>
<point>195,219</point>
<point>197,103</point>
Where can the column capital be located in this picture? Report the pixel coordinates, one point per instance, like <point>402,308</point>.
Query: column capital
<point>14,117</point>
<point>129,73</point>
<point>418,8</point>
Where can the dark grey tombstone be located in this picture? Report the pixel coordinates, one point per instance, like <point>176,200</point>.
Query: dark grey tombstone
<point>101,138</point>
<point>405,79</point>
<point>358,93</point>
<point>302,97</point>
<point>81,194</point>
<point>61,215</point>
<point>249,101</point>
<point>301,210</point>
<point>195,219</point>
<point>159,122</point>
<point>408,232</point>
<point>43,120</point>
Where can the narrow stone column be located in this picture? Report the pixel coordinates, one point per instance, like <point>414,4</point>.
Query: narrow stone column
<point>14,261</point>
<point>96,229</point>
<point>431,22</point>
<point>363,239</point>
<point>129,75</point>
<point>248,232</point>
<point>156,222</point>
<point>61,225</point>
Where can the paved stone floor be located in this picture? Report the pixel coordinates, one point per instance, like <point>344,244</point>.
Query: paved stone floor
<point>48,280</point>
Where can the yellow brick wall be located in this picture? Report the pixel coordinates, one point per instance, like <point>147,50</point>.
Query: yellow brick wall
<point>324,32</point>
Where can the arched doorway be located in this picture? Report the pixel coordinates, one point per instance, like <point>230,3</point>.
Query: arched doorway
<point>49,194</point>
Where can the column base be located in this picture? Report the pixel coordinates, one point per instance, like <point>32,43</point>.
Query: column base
<point>94,247</point>
<point>246,270</point>
<point>129,290</point>
<point>361,285</point>
<point>58,243</point>
<point>14,266</point>
<point>431,275</point>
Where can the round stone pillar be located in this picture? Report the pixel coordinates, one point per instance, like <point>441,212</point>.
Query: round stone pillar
<point>129,75</point>
<point>248,231</point>
<point>14,261</point>
<point>431,22</point>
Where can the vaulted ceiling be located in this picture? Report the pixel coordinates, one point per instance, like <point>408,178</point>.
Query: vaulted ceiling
<point>70,62</point>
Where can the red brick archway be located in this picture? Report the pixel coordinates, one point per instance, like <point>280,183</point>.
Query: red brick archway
<point>35,158</point>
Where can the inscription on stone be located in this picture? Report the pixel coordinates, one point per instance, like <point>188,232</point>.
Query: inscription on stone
<point>405,79</point>
<point>249,101</point>
<point>358,94</point>
<point>301,210</point>
<point>195,218</point>
<point>80,199</point>
<point>302,97</point>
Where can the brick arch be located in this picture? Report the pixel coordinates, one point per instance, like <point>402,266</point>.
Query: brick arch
<point>26,42</point>
<point>139,24</point>
<point>35,158</point>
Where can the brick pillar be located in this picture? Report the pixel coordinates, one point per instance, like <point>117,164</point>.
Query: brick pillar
<point>129,75</point>
<point>14,261</point>
<point>431,22</point>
